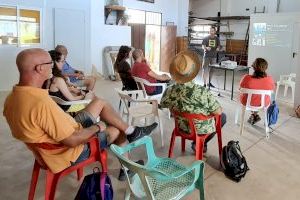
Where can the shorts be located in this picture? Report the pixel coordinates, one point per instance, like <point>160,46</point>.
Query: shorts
<point>207,62</point>
<point>86,120</point>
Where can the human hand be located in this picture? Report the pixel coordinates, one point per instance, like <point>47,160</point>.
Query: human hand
<point>102,126</point>
<point>208,48</point>
<point>166,77</point>
<point>89,95</point>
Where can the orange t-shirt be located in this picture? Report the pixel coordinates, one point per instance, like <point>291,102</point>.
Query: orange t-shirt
<point>34,117</point>
<point>266,83</point>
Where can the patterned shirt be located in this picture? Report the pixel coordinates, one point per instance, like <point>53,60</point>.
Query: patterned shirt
<point>191,98</point>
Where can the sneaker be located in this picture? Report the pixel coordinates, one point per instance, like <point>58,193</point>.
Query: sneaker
<point>140,132</point>
<point>204,85</point>
<point>122,175</point>
<point>256,119</point>
<point>251,119</point>
<point>194,147</point>
<point>211,85</point>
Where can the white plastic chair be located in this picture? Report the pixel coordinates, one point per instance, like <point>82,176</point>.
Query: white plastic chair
<point>75,106</point>
<point>249,107</point>
<point>139,108</point>
<point>141,85</point>
<point>287,81</point>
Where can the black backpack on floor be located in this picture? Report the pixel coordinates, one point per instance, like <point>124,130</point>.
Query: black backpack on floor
<point>233,162</point>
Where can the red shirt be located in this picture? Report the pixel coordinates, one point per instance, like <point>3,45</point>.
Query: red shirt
<point>141,70</point>
<point>249,82</point>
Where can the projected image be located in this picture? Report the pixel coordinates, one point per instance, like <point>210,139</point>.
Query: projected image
<point>259,34</point>
<point>272,35</point>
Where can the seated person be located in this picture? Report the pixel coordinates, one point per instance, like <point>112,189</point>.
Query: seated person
<point>76,77</point>
<point>259,80</point>
<point>186,96</point>
<point>35,118</point>
<point>123,68</point>
<point>142,70</point>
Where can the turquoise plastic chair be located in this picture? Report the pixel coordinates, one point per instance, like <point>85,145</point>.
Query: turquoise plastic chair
<point>159,178</point>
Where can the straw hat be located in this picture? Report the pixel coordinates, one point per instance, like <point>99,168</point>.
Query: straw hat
<point>185,66</point>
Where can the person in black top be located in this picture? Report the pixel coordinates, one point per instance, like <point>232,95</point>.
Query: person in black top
<point>123,68</point>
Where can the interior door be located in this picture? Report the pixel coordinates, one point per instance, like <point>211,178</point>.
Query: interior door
<point>296,61</point>
<point>138,36</point>
<point>69,30</point>
<point>168,47</point>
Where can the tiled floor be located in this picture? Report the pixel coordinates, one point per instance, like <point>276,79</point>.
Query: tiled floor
<point>274,164</point>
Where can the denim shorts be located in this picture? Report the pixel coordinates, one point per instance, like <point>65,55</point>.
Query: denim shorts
<point>87,120</point>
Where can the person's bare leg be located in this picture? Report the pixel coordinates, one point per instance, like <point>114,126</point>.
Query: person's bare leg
<point>115,137</point>
<point>90,82</point>
<point>99,107</point>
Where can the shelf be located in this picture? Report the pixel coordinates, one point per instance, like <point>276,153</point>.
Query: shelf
<point>115,7</point>
<point>222,18</point>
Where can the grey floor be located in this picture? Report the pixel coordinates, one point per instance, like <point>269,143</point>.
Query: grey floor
<point>274,163</point>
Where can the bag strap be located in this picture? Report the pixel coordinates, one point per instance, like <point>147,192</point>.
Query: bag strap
<point>103,176</point>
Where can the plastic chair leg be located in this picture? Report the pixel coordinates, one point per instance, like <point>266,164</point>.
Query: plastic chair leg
<point>51,182</point>
<point>293,93</point>
<point>285,90</point>
<point>161,132</point>
<point>200,183</point>
<point>236,117</point>
<point>103,160</point>
<point>182,145</point>
<point>277,90</point>
<point>242,120</point>
<point>79,173</point>
<point>34,180</point>
<point>172,142</point>
<point>266,125</point>
<point>199,147</point>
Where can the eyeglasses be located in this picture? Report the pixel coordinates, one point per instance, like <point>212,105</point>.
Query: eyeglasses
<point>47,63</point>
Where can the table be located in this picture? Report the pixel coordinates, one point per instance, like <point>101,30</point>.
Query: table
<point>232,55</point>
<point>234,70</point>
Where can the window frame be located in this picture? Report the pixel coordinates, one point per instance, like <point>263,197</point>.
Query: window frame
<point>145,12</point>
<point>18,7</point>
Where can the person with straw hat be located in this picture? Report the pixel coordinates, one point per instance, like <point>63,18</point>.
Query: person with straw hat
<point>186,96</point>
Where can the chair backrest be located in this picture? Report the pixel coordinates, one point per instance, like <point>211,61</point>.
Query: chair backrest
<point>129,96</point>
<point>190,117</point>
<point>251,92</point>
<point>141,170</point>
<point>288,78</point>
<point>140,83</point>
<point>75,106</point>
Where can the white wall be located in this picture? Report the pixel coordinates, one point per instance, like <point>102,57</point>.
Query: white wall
<point>9,74</point>
<point>83,6</point>
<point>183,18</point>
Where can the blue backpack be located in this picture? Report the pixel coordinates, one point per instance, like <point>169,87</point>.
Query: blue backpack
<point>96,186</point>
<point>272,114</point>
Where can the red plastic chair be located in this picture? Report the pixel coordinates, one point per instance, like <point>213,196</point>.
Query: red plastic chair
<point>199,139</point>
<point>96,154</point>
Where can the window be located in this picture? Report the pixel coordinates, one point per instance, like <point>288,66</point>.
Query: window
<point>199,32</point>
<point>8,25</point>
<point>19,26</point>
<point>143,17</point>
<point>136,16</point>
